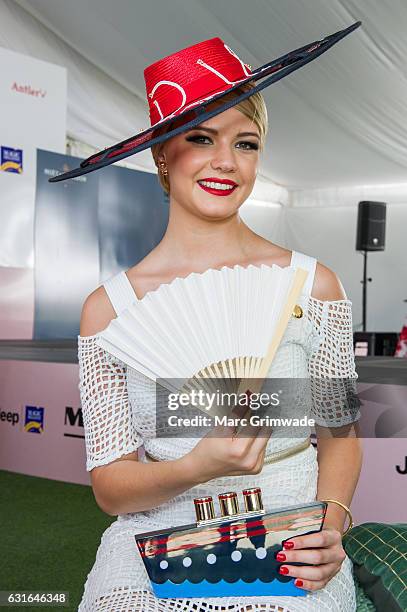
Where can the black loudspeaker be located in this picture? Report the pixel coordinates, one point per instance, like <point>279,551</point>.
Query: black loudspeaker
<point>371,228</point>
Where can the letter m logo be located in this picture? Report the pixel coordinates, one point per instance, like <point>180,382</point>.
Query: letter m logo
<point>73,418</point>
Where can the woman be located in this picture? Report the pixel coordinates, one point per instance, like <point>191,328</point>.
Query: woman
<point>206,232</point>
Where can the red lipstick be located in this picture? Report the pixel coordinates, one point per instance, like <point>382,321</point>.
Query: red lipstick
<point>220,192</point>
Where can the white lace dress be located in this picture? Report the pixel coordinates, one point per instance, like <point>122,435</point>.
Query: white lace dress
<point>118,405</point>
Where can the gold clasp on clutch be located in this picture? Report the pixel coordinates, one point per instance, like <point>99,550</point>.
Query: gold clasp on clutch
<point>229,507</point>
<point>297,312</point>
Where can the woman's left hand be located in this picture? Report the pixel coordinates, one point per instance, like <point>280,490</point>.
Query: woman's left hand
<point>322,552</point>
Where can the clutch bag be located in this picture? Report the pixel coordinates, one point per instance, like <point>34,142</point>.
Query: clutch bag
<point>230,555</point>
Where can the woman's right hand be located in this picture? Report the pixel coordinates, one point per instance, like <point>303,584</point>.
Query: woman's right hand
<point>219,453</point>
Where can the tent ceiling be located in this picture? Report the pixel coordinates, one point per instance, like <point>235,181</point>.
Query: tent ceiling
<point>340,121</point>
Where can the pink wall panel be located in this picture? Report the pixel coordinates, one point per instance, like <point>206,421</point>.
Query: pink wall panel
<point>54,452</point>
<point>58,450</point>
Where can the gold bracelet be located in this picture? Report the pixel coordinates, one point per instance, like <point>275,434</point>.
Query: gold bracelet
<point>348,512</point>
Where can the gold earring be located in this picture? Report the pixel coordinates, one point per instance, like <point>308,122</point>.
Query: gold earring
<point>163,168</point>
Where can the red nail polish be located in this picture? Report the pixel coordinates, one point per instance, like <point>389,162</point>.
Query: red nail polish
<point>298,582</point>
<point>288,545</point>
<point>283,570</point>
<point>281,556</point>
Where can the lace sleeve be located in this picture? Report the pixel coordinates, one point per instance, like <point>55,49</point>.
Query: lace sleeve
<point>107,420</point>
<point>331,366</point>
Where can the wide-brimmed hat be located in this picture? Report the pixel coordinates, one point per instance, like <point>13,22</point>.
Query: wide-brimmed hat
<point>185,83</point>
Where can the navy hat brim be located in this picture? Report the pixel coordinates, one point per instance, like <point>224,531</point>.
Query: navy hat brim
<point>278,69</point>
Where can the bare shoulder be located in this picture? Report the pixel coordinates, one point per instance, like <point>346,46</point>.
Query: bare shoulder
<point>97,312</point>
<point>327,285</point>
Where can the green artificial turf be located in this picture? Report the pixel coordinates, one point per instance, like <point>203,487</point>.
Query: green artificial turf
<point>50,531</point>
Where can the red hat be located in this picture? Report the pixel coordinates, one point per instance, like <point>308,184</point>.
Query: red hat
<point>187,81</point>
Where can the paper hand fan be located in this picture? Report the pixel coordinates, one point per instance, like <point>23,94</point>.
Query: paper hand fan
<point>223,324</point>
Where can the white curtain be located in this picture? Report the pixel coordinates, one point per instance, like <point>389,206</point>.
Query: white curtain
<point>100,110</point>
<point>329,234</point>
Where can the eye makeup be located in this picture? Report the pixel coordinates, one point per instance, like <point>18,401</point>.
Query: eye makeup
<point>252,145</point>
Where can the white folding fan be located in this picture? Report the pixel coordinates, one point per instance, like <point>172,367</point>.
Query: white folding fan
<point>223,324</point>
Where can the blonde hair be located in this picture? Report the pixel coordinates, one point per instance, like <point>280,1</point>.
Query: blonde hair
<point>253,107</point>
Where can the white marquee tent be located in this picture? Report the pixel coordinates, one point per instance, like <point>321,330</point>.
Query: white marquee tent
<point>338,127</point>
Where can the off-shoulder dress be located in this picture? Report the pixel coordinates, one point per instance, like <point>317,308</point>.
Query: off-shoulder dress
<point>118,413</point>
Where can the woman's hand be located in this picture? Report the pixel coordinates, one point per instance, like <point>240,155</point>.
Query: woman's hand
<point>219,453</point>
<point>322,552</point>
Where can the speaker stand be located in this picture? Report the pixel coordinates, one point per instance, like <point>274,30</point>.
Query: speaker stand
<point>364,295</point>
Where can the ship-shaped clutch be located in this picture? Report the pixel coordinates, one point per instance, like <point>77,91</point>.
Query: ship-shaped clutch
<point>230,555</point>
